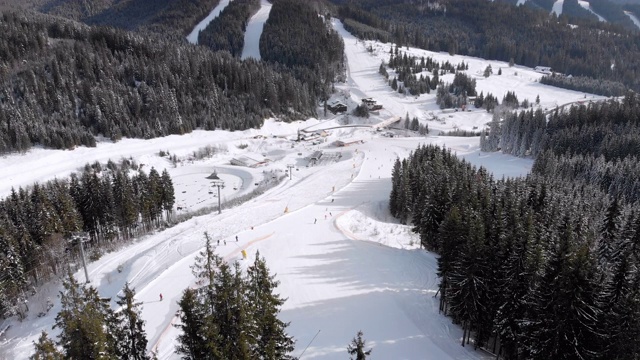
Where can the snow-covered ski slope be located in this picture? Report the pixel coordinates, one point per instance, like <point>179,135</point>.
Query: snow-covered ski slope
<point>193,36</point>
<point>557,8</point>
<point>633,18</point>
<point>587,5</point>
<point>355,269</point>
<point>254,30</point>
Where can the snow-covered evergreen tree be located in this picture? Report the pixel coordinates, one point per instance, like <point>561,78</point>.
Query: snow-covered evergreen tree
<point>357,348</point>
<point>130,336</point>
<point>271,339</point>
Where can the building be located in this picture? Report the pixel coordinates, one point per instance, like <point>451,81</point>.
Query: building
<point>247,161</point>
<point>337,107</point>
<point>371,104</point>
<point>543,70</point>
<point>315,157</point>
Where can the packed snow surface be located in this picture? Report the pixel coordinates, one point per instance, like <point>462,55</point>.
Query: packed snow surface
<point>633,18</point>
<point>587,5</point>
<point>254,30</point>
<point>557,7</point>
<point>193,36</point>
<point>343,261</point>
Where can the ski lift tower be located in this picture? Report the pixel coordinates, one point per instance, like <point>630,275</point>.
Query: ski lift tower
<point>219,183</point>
<point>80,238</point>
<point>290,167</point>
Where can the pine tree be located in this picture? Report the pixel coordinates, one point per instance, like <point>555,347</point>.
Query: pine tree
<point>608,244</point>
<point>198,339</point>
<point>272,341</point>
<point>168,194</point>
<point>488,71</point>
<point>565,320</point>
<point>357,348</point>
<point>131,337</point>
<point>468,279</point>
<point>232,314</point>
<point>396,180</point>
<point>86,323</point>
<point>452,235</point>
<point>45,349</point>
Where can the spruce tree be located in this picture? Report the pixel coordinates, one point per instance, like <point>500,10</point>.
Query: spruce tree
<point>564,324</point>
<point>168,194</point>
<point>271,340</point>
<point>45,349</point>
<point>357,348</point>
<point>131,337</point>
<point>452,235</point>
<point>198,339</point>
<point>85,321</point>
<point>231,313</point>
<point>608,244</point>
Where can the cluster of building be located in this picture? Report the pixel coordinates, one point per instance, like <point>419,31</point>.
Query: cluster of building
<point>338,107</point>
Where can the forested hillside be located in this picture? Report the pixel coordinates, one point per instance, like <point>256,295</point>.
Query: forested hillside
<point>543,267</point>
<point>62,84</point>
<point>295,36</point>
<point>495,30</point>
<point>533,268</point>
<point>170,18</point>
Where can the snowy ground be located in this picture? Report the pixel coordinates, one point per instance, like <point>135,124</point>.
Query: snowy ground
<point>355,269</point>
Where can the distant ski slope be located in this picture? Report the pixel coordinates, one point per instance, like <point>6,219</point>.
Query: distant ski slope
<point>557,7</point>
<point>633,18</point>
<point>193,37</point>
<point>254,30</point>
<point>586,5</point>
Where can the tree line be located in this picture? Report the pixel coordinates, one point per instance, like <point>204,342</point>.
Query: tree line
<point>531,268</point>
<point>37,223</point>
<point>592,143</point>
<point>585,84</point>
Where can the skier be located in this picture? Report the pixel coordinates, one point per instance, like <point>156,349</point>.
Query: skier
<point>218,241</point>
<point>315,221</point>
<point>161,297</point>
<point>332,200</point>
<point>236,238</point>
<point>225,242</point>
